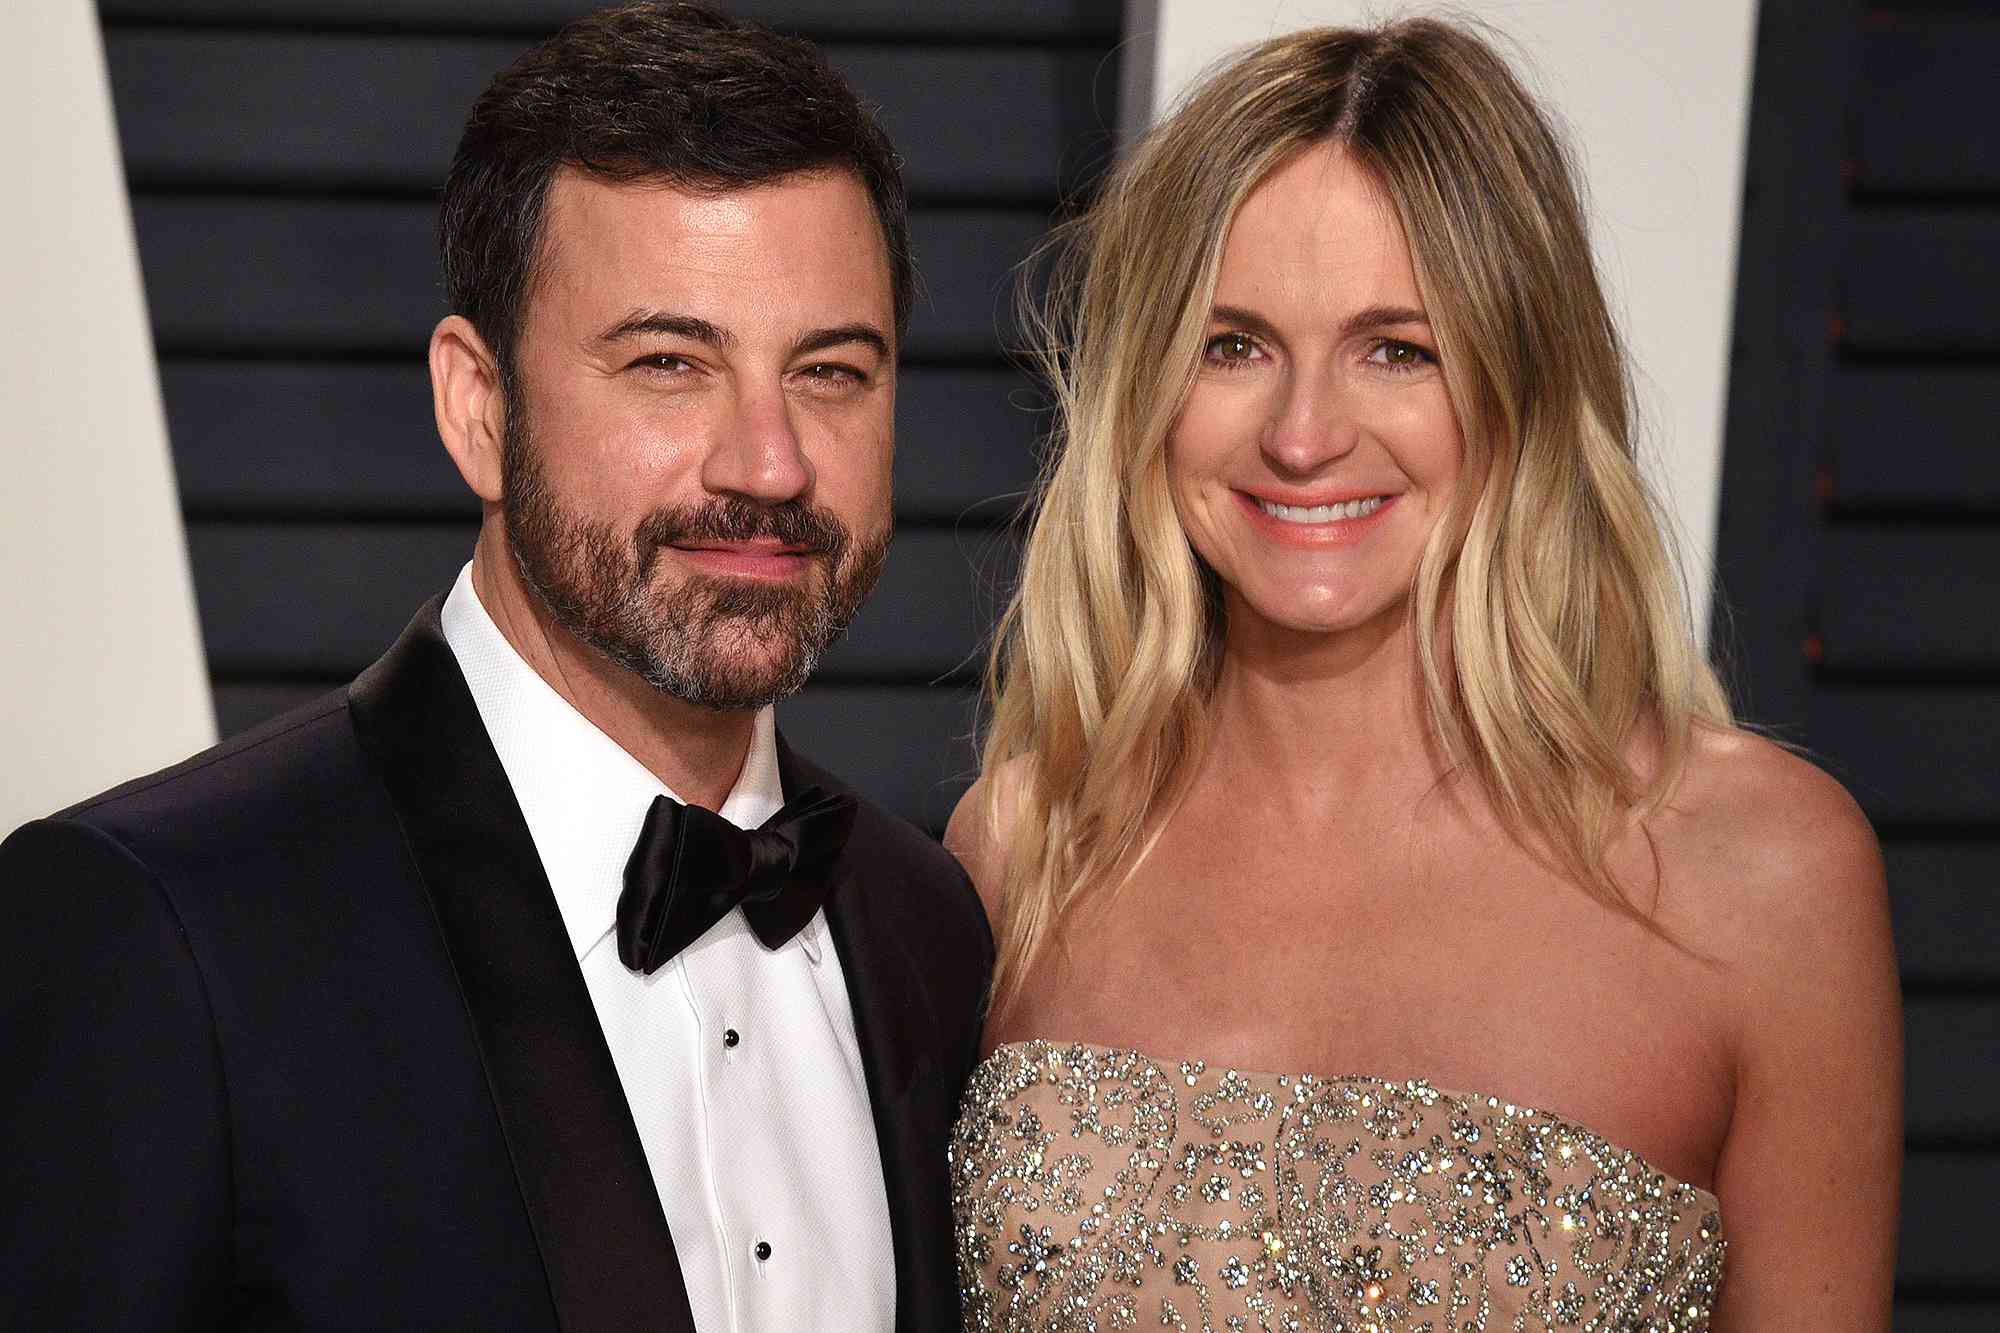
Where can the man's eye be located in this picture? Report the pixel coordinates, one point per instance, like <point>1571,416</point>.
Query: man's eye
<point>830,373</point>
<point>662,361</point>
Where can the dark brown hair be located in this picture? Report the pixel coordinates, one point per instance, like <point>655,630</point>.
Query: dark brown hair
<point>678,93</point>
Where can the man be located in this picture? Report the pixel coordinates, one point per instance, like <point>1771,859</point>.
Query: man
<point>429,1005</point>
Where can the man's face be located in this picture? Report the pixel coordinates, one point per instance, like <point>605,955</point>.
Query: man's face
<point>700,431</point>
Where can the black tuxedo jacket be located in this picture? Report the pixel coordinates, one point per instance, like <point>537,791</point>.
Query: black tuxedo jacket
<point>294,1038</point>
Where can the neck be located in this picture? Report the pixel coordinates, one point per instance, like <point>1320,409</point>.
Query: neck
<point>697,752</point>
<point>1319,717</point>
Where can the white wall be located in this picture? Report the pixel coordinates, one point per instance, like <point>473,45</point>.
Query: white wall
<point>101,677</point>
<point>1656,100</point>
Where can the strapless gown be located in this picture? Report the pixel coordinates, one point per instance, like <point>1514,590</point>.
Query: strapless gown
<point>1095,1189</point>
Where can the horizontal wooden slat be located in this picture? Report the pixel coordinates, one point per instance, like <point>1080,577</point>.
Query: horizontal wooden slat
<point>966,263</point>
<point>905,746</point>
<point>331,110</point>
<point>1951,1210</point>
<point>324,600</point>
<point>1914,437</point>
<point>933,612</point>
<point>282,275</point>
<point>1953,1078</point>
<point>1912,756</point>
<point>1922,112</point>
<point>967,442</point>
<point>1012,20</point>
<point>1906,11</point>
<point>1901,597</point>
<point>1932,1314</point>
<point>1947,903</point>
<point>264,439</point>
<point>313,599</point>
<point>304,275</point>
<point>267,439</point>
<point>1916,280</point>
<point>322,110</point>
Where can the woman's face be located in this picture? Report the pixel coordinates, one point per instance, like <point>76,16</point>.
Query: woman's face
<point>1318,446</point>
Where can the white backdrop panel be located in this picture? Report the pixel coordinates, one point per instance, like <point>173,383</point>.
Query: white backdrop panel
<point>102,677</point>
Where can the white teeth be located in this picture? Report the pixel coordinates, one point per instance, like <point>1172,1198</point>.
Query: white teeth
<point>1323,513</point>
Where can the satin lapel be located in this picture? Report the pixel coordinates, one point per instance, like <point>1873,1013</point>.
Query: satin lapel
<point>589,1194</point>
<point>898,1037</point>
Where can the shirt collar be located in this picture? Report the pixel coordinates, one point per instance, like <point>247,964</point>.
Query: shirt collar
<point>583,797</point>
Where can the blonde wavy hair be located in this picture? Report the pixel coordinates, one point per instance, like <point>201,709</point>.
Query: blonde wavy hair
<point>1550,616</point>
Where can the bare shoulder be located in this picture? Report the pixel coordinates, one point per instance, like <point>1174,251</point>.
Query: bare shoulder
<point>1766,846</point>
<point>980,826</point>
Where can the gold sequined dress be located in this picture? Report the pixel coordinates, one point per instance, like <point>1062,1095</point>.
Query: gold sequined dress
<point>1095,1188</point>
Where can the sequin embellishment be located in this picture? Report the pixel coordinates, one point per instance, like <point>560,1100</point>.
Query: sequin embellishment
<point>1094,1189</point>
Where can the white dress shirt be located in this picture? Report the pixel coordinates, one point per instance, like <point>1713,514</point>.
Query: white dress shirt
<point>739,1062</point>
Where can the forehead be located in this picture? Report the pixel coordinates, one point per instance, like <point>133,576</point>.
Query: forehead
<point>1321,228</point>
<point>804,249</point>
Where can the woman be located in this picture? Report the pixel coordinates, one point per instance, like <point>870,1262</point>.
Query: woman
<point>1355,783</point>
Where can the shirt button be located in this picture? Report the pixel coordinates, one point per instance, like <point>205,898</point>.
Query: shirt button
<point>763,1250</point>
<point>730,1037</point>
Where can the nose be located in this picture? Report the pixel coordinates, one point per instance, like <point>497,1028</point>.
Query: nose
<point>756,452</point>
<point>1312,422</point>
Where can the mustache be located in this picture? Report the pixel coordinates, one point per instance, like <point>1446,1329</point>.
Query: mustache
<point>803,527</point>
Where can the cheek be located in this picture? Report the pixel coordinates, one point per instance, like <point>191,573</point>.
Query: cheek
<point>1433,448</point>
<point>853,474</point>
<point>1444,456</point>
<point>1211,426</point>
<point>1198,450</point>
<point>589,425</point>
<point>633,463</point>
<point>1195,509</point>
<point>1184,475</point>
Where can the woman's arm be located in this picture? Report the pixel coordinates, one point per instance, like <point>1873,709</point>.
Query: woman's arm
<point>1810,1169</point>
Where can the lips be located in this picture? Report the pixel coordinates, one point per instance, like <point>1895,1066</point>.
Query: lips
<point>736,536</point>
<point>753,559</point>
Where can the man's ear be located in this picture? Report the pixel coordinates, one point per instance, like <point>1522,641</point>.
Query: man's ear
<point>471,410</point>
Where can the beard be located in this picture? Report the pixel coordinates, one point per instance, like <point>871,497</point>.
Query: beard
<point>713,641</point>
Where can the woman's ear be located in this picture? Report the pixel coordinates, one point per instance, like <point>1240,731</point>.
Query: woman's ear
<point>471,409</point>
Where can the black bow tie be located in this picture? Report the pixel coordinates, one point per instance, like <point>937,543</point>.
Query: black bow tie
<point>691,866</point>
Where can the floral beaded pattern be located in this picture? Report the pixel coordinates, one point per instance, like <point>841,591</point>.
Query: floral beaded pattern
<point>1099,1189</point>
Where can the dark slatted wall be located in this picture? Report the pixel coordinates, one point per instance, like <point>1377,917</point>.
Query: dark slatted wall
<point>1860,538</point>
<point>284,158</point>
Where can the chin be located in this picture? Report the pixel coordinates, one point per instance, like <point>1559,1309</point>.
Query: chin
<point>731,683</point>
<point>1308,615</point>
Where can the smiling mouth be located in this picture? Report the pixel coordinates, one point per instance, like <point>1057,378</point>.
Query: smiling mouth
<point>1334,513</point>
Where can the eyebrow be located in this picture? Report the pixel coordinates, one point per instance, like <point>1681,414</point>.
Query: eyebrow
<point>696,329</point>
<point>672,325</point>
<point>841,334</point>
<point>1369,317</point>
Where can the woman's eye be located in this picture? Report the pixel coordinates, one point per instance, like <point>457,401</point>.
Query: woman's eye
<point>1399,355</point>
<point>1231,348</point>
